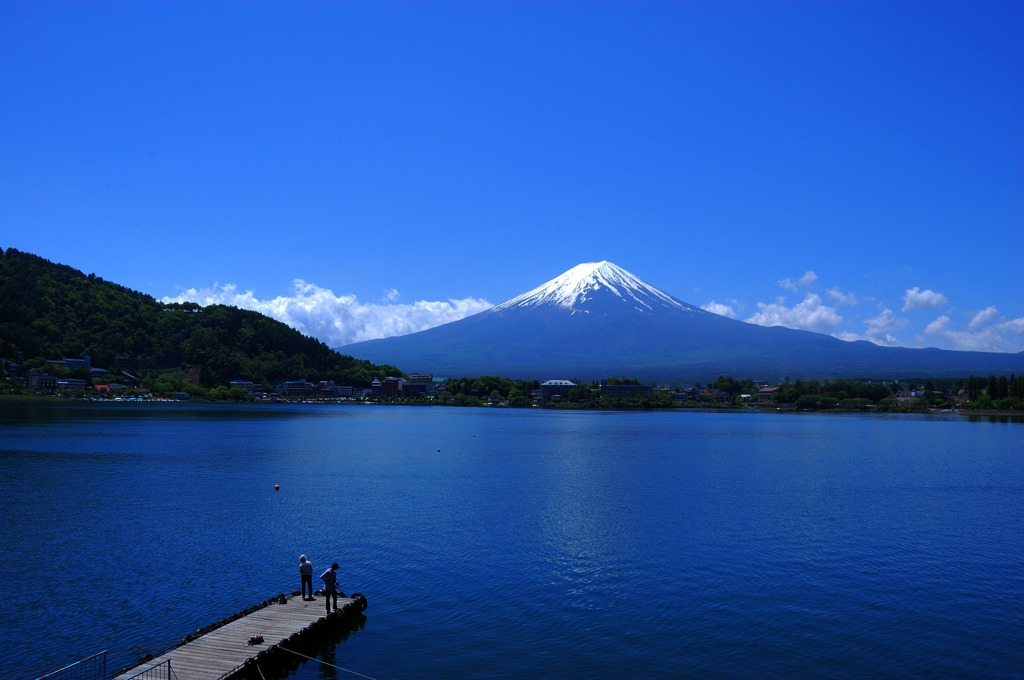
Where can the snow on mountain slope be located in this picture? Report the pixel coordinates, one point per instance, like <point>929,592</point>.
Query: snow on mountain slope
<point>577,289</point>
<point>598,320</point>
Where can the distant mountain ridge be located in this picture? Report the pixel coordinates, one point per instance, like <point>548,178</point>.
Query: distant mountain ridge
<point>598,320</point>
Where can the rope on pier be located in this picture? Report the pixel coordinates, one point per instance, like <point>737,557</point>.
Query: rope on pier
<point>325,663</point>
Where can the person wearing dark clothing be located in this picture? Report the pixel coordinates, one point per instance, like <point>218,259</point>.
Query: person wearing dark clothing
<point>330,579</point>
<point>306,572</point>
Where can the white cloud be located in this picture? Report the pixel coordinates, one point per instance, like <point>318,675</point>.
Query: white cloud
<point>987,331</point>
<point>807,279</point>
<point>719,308</point>
<point>881,328</point>
<point>810,315</point>
<point>840,298</point>
<point>1014,326</point>
<point>340,319</point>
<point>984,319</point>
<point>939,326</point>
<point>922,299</point>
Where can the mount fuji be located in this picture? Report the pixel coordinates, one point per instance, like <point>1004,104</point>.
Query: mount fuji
<point>597,320</point>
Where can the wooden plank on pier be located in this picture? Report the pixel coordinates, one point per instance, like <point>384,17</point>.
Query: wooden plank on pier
<point>225,649</point>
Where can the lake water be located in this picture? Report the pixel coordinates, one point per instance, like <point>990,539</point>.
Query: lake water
<point>522,543</point>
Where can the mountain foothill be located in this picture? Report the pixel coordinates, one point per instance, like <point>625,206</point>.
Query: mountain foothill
<point>52,311</point>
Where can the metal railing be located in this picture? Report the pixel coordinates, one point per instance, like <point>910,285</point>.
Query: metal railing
<point>90,668</point>
<point>161,671</point>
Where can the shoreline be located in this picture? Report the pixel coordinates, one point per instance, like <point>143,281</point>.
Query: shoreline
<point>48,398</point>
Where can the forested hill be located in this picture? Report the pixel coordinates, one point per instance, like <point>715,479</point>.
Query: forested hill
<point>52,311</point>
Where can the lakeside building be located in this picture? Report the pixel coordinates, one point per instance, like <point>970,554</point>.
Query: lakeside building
<point>37,380</point>
<point>392,386</point>
<point>295,388</point>
<point>246,385</point>
<point>68,384</point>
<point>418,385</point>
<point>715,395</point>
<point>72,364</point>
<point>626,391</point>
<point>553,389</point>
<point>910,397</point>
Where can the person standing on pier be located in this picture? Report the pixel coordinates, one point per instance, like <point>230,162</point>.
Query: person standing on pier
<point>306,572</point>
<point>330,579</point>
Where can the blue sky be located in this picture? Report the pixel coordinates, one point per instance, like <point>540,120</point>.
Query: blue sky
<point>361,169</point>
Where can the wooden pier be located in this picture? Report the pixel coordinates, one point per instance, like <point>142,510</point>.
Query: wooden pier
<point>224,651</point>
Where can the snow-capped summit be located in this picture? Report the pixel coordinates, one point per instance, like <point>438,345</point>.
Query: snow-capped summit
<point>598,320</point>
<point>594,286</point>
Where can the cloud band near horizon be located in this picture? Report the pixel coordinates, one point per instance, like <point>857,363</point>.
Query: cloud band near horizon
<point>981,331</point>
<point>339,320</point>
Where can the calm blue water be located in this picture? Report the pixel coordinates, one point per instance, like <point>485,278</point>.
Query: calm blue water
<point>523,543</point>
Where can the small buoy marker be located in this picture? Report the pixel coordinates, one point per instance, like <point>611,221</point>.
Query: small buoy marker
<point>277,487</point>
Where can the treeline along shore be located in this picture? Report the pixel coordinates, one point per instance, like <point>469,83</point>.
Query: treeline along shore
<point>993,395</point>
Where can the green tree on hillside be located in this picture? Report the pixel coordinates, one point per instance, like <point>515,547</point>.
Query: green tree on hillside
<point>52,311</point>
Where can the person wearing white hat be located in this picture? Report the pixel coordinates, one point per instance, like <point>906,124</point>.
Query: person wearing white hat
<point>306,572</point>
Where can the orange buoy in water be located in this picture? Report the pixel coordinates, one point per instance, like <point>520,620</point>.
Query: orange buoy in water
<point>277,487</point>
